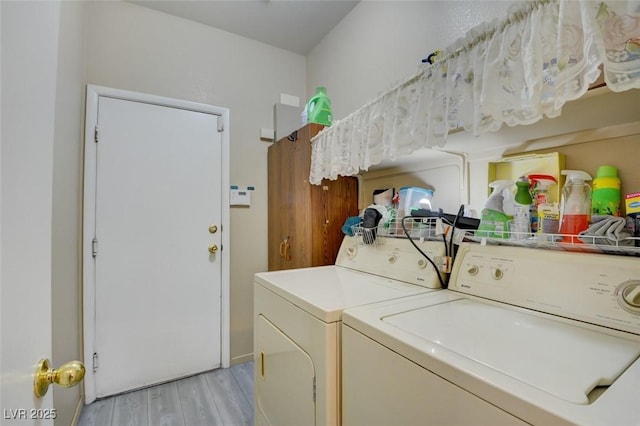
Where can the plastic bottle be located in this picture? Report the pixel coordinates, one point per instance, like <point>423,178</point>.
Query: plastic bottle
<point>548,219</point>
<point>606,192</point>
<point>575,204</point>
<point>319,108</point>
<point>494,223</point>
<point>540,189</point>
<point>522,211</point>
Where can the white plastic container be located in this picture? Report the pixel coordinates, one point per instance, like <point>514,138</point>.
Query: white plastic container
<point>413,197</point>
<point>575,204</point>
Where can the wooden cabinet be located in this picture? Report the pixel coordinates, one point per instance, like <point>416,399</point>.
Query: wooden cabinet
<point>305,220</point>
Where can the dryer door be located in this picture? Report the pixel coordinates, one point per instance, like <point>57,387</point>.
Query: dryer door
<point>285,388</point>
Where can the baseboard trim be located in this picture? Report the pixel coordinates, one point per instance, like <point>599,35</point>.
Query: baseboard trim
<point>242,359</point>
<point>76,414</point>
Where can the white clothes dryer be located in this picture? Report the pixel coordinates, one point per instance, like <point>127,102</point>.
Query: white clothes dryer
<point>297,317</point>
<point>521,336</point>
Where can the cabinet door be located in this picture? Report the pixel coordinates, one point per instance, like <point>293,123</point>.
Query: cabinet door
<point>289,162</point>
<point>332,203</point>
<point>279,190</point>
<point>300,207</point>
<point>305,220</point>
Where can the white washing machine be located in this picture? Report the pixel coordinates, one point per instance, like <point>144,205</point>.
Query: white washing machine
<point>297,317</point>
<point>521,336</point>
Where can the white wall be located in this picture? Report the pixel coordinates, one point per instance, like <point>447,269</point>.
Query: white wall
<point>134,48</point>
<point>382,42</point>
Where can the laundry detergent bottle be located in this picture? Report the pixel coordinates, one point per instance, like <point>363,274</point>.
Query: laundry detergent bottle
<point>606,192</point>
<point>575,204</point>
<point>319,108</point>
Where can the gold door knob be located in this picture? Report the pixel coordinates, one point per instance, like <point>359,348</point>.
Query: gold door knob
<point>68,375</point>
<point>213,229</point>
<point>213,248</point>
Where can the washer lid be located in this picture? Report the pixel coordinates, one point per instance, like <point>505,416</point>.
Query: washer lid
<point>562,359</point>
<point>325,291</point>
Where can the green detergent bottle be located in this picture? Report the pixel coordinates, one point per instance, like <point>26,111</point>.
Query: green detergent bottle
<point>605,199</point>
<point>319,108</point>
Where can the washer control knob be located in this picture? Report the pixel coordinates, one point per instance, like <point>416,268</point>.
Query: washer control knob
<point>422,263</point>
<point>352,252</point>
<point>629,296</point>
<point>473,270</point>
<point>497,274</point>
<point>392,259</point>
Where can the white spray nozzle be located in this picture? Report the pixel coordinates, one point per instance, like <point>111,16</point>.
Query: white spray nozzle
<point>576,175</point>
<point>501,199</point>
<point>545,183</point>
<point>500,185</point>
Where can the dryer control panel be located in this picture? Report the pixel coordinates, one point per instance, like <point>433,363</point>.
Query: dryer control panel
<point>394,258</point>
<point>594,288</point>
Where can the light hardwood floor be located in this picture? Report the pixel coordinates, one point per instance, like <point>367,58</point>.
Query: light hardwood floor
<point>219,397</point>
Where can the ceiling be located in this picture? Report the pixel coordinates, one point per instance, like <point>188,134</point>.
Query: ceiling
<point>293,25</point>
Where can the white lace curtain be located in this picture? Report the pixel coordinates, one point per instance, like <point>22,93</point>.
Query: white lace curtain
<point>514,71</point>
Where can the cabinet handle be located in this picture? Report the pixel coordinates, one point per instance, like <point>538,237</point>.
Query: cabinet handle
<point>287,257</point>
<point>282,245</point>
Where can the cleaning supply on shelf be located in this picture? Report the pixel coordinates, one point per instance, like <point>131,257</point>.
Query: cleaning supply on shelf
<point>575,204</point>
<point>606,192</point>
<point>632,203</point>
<point>494,222</point>
<point>319,108</point>
<point>548,219</point>
<point>521,224</point>
<point>539,189</point>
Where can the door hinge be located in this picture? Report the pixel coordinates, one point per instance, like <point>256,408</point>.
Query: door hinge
<point>220,124</point>
<point>95,135</point>
<point>94,247</point>
<point>95,361</point>
<point>314,389</point>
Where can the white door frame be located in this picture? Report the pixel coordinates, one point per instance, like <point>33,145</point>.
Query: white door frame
<point>88,270</point>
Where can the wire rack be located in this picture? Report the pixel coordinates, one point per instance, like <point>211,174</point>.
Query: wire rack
<point>422,228</point>
<point>628,246</point>
<point>426,229</point>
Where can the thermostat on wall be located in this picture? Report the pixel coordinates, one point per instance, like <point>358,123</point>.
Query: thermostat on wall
<point>240,196</point>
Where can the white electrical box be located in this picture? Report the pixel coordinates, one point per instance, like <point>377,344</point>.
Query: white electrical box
<point>286,120</point>
<point>240,196</point>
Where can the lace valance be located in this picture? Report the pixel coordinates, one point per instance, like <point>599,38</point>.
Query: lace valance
<point>513,71</point>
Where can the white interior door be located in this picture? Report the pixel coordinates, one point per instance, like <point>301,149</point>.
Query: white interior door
<point>157,288</point>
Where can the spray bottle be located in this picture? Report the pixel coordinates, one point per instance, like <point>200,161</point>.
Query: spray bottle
<point>539,193</point>
<point>575,204</point>
<point>521,224</point>
<point>494,223</point>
